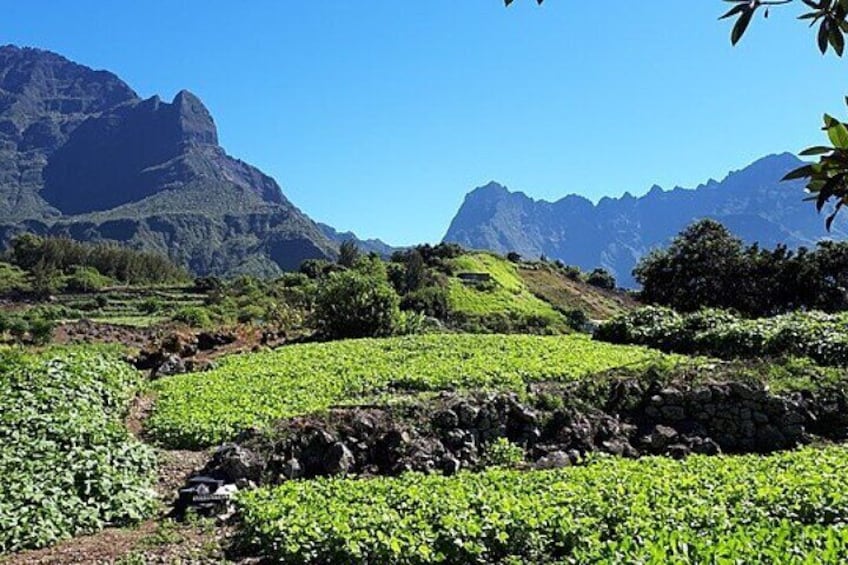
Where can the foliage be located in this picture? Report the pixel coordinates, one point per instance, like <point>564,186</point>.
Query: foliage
<point>69,464</point>
<point>790,507</point>
<point>62,255</point>
<point>430,301</point>
<point>33,326</point>
<point>12,279</point>
<point>828,178</point>
<point>254,390</point>
<point>194,316</point>
<point>706,266</point>
<point>821,337</point>
<point>354,304</point>
<point>503,453</point>
<point>601,278</point>
<point>85,279</point>
<point>348,253</point>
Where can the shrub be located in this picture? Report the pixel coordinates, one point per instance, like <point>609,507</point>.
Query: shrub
<point>819,336</point>
<point>193,316</point>
<point>352,304</point>
<point>431,301</point>
<point>86,279</point>
<point>503,453</point>
<point>601,278</point>
<point>150,306</point>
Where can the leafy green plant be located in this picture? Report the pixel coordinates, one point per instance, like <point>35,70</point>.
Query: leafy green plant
<point>194,316</point>
<point>785,508</point>
<point>69,464</point>
<point>503,453</point>
<point>819,336</point>
<point>254,390</point>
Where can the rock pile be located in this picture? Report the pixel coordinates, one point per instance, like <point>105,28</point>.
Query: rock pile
<point>455,432</point>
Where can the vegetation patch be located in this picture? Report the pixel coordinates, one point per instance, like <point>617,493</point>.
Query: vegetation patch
<point>69,465</point>
<point>499,298</point>
<point>818,336</point>
<point>254,390</point>
<point>652,510</point>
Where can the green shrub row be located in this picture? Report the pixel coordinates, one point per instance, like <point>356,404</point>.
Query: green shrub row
<point>821,337</point>
<point>68,465</point>
<point>786,508</point>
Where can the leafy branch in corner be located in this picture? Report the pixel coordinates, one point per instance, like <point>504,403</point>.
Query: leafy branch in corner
<point>828,178</point>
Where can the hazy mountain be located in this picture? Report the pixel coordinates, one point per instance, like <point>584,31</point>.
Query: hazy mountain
<point>616,232</point>
<point>81,154</point>
<point>377,246</point>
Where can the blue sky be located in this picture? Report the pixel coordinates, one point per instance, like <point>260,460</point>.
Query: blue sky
<point>378,116</point>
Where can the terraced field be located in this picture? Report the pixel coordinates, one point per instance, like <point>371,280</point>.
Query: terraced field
<point>786,508</point>
<point>254,390</point>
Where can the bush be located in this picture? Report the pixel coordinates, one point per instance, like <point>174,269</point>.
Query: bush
<point>150,306</point>
<point>86,279</point>
<point>431,301</point>
<point>193,316</point>
<point>601,278</point>
<point>819,336</point>
<point>351,304</point>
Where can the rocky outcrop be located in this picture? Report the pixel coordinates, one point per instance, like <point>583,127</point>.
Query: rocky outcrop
<point>455,432</point>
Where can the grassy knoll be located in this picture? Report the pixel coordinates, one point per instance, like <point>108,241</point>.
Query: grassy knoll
<point>507,294</point>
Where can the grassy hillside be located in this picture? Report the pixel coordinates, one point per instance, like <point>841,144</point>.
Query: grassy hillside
<point>564,293</point>
<point>507,293</point>
<point>527,289</point>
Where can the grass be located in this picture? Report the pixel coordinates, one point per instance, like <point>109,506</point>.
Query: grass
<point>254,390</point>
<point>508,295</point>
<point>567,294</point>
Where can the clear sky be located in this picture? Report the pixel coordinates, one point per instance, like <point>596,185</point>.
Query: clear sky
<point>379,115</point>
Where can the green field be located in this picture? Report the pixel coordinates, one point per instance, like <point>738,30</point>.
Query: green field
<point>254,390</point>
<point>69,466</point>
<point>786,508</point>
<point>509,294</point>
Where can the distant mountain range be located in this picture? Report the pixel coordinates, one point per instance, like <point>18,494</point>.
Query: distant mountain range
<point>614,233</point>
<point>82,155</point>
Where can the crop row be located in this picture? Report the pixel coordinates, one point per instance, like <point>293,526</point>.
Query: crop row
<point>786,508</point>
<point>69,466</point>
<point>819,336</point>
<point>249,391</point>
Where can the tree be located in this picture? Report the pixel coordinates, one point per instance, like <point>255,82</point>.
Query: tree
<point>353,304</point>
<point>696,270</point>
<point>601,278</point>
<point>348,253</point>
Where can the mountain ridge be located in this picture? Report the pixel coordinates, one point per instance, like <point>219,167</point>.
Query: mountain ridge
<point>82,155</point>
<point>615,232</point>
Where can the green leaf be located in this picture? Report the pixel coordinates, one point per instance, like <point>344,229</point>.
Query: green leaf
<point>818,150</point>
<point>741,25</point>
<point>838,134</point>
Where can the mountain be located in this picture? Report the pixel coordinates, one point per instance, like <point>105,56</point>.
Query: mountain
<point>82,155</point>
<point>377,246</point>
<point>614,233</point>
